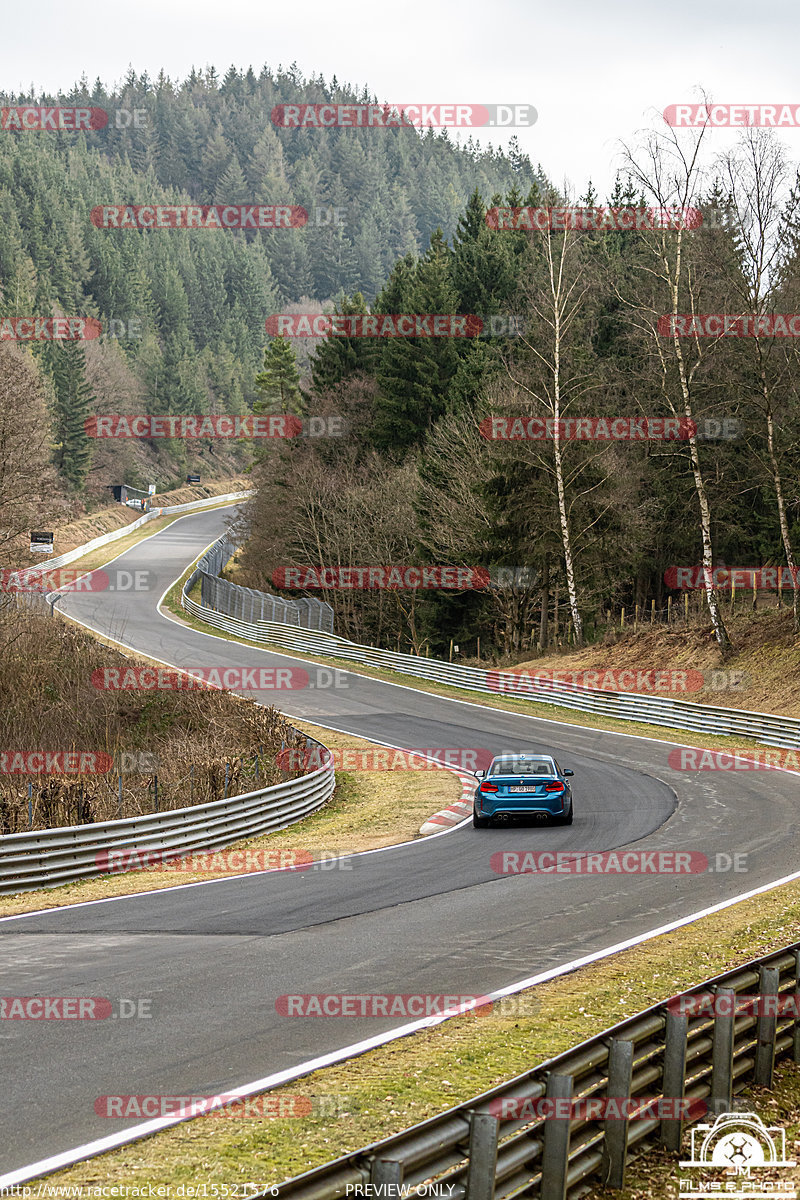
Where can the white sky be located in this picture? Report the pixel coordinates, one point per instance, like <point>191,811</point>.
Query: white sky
<point>594,71</point>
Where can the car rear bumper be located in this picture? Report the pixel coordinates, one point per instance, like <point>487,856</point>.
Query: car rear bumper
<point>492,806</point>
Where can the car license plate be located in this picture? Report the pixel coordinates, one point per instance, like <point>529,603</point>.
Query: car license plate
<point>528,790</point>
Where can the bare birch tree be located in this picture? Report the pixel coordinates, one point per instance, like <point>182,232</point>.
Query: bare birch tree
<point>759,200</point>
<point>671,178</point>
<point>550,376</point>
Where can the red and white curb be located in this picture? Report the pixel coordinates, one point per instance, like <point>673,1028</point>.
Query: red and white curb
<point>455,813</point>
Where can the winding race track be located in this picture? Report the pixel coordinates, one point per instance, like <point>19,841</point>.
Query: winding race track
<point>430,916</point>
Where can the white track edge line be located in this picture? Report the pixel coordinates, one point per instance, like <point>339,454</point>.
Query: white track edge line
<point>277,1079</point>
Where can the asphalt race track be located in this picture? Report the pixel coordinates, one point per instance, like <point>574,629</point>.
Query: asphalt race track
<point>429,916</point>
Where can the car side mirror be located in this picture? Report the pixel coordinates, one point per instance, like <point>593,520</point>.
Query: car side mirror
<point>480,774</point>
<point>568,772</point>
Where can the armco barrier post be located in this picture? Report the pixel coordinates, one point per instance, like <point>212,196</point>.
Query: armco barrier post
<point>615,1131</point>
<point>483,1132</point>
<point>796,1043</point>
<point>722,1053</point>
<point>673,1083</point>
<point>387,1177</point>
<point>555,1150</point>
<point>766,1027</point>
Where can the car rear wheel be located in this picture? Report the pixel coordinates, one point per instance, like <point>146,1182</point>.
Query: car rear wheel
<point>566,819</point>
<point>479,822</point>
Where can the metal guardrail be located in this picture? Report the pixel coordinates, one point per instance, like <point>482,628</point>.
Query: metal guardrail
<point>49,857</point>
<point>659,1053</point>
<point>624,706</point>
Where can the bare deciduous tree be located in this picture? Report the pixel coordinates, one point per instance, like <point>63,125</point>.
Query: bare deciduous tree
<point>760,200</point>
<point>670,283</point>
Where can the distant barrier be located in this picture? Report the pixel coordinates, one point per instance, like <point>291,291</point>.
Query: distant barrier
<point>247,605</point>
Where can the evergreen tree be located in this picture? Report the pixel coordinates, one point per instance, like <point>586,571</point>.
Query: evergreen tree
<point>279,382</point>
<point>338,358</point>
<point>414,373</point>
<point>72,406</point>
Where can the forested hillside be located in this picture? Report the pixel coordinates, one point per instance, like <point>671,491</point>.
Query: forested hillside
<point>684,320</point>
<point>605,326</point>
<point>186,308</point>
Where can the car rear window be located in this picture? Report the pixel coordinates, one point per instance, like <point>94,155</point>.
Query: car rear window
<point>523,766</point>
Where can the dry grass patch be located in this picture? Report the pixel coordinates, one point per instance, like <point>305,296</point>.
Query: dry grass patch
<point>763,647</point>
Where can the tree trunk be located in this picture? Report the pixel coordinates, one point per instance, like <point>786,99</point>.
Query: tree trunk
<point>784,524</point>
<point>563,516</point>
<point>544,612</point>
<point>712,600</point>
<point>566,541</point>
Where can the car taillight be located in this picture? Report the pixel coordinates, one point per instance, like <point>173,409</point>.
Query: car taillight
<point>554,787</point>
<point>488,787</point>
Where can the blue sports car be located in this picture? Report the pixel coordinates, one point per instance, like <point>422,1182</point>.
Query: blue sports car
<point>522,785</point>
